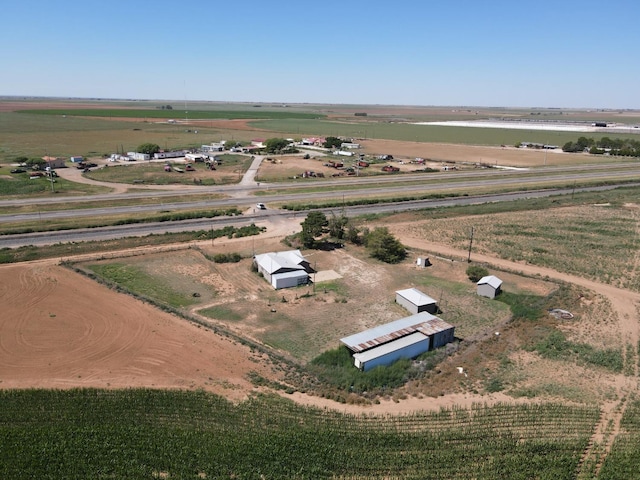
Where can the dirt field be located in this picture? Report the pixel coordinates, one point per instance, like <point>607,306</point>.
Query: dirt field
<point>61,330</point>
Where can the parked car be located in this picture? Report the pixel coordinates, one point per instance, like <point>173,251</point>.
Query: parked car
<point>261,206</point>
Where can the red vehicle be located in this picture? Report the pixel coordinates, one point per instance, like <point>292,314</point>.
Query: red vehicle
<point>390,168</point>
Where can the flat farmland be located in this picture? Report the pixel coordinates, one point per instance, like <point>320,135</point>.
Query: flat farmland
<point>30,135</point>
<point>408,132</point>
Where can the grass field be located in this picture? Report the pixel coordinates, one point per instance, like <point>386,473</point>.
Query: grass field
<point>421,133</point>
<point>21,185</point>
<point>172,434</point>
<point>33,135</point>
<point>594,240</point>
<point>255,113</point>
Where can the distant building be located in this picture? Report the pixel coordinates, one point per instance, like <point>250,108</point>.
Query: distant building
<point>489,286</point>
<point>138,156</point>
<point>284,269</point>
<point>76,159</point>
<point>415,301</point>
<point>170,154</point>
<point>53,162</point>
<point>313,141</point>
<point>214,147</point>
<point>404,338</point>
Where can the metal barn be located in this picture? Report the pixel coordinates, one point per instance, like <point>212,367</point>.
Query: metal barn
<point>384,344</point>
<point>406,347</point>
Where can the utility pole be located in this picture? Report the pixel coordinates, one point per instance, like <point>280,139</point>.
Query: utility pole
<point>470,244</point>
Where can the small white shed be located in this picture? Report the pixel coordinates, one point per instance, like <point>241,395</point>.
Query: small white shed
<point>415,301</point>
<point>489,286</point>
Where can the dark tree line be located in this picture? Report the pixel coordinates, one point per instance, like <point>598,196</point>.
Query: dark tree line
<point>613,146</point>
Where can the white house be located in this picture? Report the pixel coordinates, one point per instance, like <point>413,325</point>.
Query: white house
<point>214,147</point>
<point>284,269</point>
<point>489,286</point>
<point>415,301</point>
<point>76,158</point>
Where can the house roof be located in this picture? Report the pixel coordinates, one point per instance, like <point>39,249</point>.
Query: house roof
<point>390,347</point>
<point>273,261</point>
<point>491,280</point>
<point>421,322</point>
<point>416,297</point>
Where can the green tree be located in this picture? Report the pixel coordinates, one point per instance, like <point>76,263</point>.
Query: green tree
<point>149,148</point>
<point>353,234</point>
<point>332,142</point>
<point>313,226</point>
<point>35,162</point>
<point>276,145</point>
<point>336,226</point>
<point>384,246</point>
<point>476,272</point>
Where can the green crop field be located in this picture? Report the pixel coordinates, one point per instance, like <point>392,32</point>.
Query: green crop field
<point>178,434</point>
<point>622,461</point>
<point>30,135</point>
<point>173,114</point>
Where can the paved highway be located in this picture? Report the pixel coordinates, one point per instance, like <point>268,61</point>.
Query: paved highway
<point>340,190</point>
<point>108,233</point>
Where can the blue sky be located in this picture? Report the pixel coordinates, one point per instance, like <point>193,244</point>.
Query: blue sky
<point>569,54</point>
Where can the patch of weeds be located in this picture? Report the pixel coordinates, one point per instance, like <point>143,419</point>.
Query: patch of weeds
<point>556,347</point>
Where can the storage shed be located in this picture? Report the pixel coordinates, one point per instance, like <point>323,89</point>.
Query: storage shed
<point>415,301</point>
<point>489,286</point>
<point>405,347</point>
<point>398,340</point>
<point>284,269</point>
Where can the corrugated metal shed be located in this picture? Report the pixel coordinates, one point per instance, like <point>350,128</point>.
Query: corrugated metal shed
<point>375,336</point>
<point>396,345</point>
